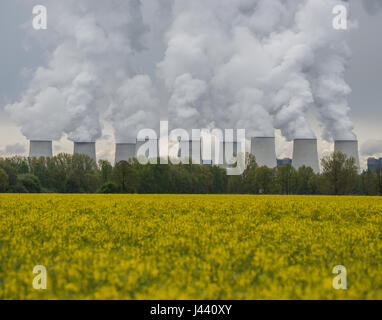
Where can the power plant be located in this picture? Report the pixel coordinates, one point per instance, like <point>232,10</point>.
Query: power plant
<point>194,151</point>
<point>86,148</point>
<point>305,154</point>
<point>189,151</point>
<point>349,148</point>
<point>39,149</point>
<point>212,149</point>
<point>124,151</point>
<point>230,151</point>
<point>152,149</point>
<point>264,150</point>
<point>223,153</point>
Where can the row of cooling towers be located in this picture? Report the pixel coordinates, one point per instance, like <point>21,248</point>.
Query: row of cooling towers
<point>304,151</point>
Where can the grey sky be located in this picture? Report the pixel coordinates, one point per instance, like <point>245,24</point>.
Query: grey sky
<point>18,57</point>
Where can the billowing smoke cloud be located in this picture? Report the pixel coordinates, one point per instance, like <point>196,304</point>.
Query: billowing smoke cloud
<point>94,45</point>
<point>134,108</point>
<point>257,64</point>
<point>372,6</point>
<point>253,64</point>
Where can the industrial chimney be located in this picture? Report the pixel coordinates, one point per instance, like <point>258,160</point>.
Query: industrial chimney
<point>305,154</point>
<point>86,148</point>
<point>349,148</point>
<point>264,149</point>
<point>125,151</point>
<point>40,148</point>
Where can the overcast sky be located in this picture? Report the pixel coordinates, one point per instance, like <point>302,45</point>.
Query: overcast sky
<point>19,58</point>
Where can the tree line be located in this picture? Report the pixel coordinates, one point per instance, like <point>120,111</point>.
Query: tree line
<point>77,173</point>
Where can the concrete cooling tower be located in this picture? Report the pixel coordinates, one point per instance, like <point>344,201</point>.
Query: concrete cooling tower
<point>152,143</point>
<point>264,149</point>
<point>230,153</point>
<point>86,148</point>
<point>190,146</point>
<point>194,150</point>
<point>39,149</point>
<point>349,148</point>
<point>305,154</point>
<point>124,151</point>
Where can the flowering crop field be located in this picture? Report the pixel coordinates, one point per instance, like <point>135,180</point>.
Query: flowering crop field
<point>190,247</point>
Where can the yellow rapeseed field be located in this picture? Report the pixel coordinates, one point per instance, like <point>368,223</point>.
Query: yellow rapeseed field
<point>190,247</point>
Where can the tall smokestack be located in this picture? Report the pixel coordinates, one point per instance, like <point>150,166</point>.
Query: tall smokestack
<point>349,148</point>
<point>264,149</point>
<point>39,149</point>
<point>125,151</point>
<point>305,154</point>
<point>86,148</point>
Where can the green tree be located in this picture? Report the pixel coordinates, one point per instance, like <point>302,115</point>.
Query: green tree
<point>370,183</point>
<point>340,173</point>
<point>306,181</point>
<point>249,175</point>
<point>235,185</point>
<point>109,187</point>
<point>30,183</point>
<point>219,180</point>
<point>265,180</point>
<point>4,181</point>
<point>379,180</point>
<point>286,178</point>
<point>91,182</point>
<point>73,183</point>
<point>105,171</point>
<point>12,176</point>
<point>126,177</point>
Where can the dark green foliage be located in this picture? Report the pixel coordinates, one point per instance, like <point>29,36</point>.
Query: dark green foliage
<point>287,179</point>
<point>30,182</point>
<point>80,174</point>
<point>105,171</point>
<point>109,188</point>
<point>126,177</point>
<point>4,181</point>
<point>370,183</point>
<point>340,173</point>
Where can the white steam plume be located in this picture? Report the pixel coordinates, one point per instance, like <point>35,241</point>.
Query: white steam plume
<point>94,43</point>
<point>257,64</point>
<point>253,64</point>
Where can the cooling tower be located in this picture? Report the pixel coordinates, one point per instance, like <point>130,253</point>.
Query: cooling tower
<point>124,151</point>
<point>153,143</point>
<point>212,150</point>
<point>305,154</point>
<point>188,145</point>
<point>230,153</point>
<point>86,148</point>
<point>194,150</point>
<point>349,148</point>
<point>264,149</point>
<point>40,149</point>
